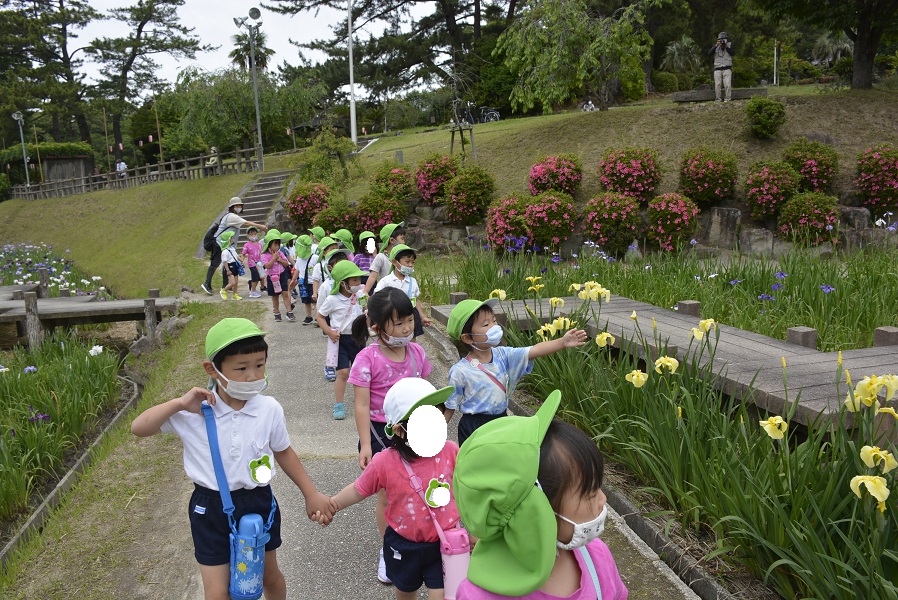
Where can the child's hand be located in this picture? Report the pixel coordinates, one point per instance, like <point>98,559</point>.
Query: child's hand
<point>365,455</point>
<point>334,335</point>
<point>425,321</point>
<point>573,338</point>
<point>320,504</point>
<point>192,401</point>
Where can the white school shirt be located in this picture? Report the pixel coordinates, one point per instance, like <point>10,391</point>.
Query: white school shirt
<point>343,310</point>
<point>316,272</point>
<point>409,285</point>
<point>300,266</point>
<point>229,255</point>
<point>257,430</point>
<point>324,289</point>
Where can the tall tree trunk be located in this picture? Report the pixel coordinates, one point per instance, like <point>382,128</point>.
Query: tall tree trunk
<point>476,19</point>
<point>83,126</point>
<point>510,16</point>
<point>55,128</point>
<point>117,135</point>
<point>651,26</point>
<point>866,42</point>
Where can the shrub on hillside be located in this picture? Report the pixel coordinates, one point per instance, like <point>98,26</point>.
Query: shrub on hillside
<point>684,81</point>
<point>391,180</point>
<point>433,173</point>
<point>375,210</point>
<point>671,218</point>
<point>5,186</point>
<point>768,186</point>
<point>563,172</point>
<point>810,218</point>
<point>305,201</point>
<point>765,116</point>
<point>338,214</point>
<point>877,178</point>
<point>612,221</point>
<point>708,175</point>
<point>664,82</point>
<point>631,171</point>
<point>550,218</point>
<point>816,162</point>
<point>505,219</point>
<point>468,195</point>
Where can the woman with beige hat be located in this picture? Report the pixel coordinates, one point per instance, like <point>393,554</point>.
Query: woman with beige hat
<point>232,221</point>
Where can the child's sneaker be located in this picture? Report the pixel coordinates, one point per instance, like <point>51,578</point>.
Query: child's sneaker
<point>293,294</point>
<point>339,412</point>
<point>307,321</point>
<point>382,569</point>
<point>290,316</point>
<point>237,296</point>
<point>330,373</point>
<point>224,294</point>
<point>207,289</point>
<point>277,317</point>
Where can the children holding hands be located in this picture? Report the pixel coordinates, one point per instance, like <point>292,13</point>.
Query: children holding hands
<point>277,274</point>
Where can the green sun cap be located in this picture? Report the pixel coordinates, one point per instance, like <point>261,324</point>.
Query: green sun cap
<point>270,236</point>
<point>365,235</point>
<point>226,332</point>
<point>325,242</point>
<point>386,232</point>
<point>335,252</point>
<point>346,237</point>
<point>344,270</point>
<point>286,237</point>
<point>463,311</point>
<point>406,395</point>
<point>304,246</point>
<point>397,249</point>
<point>225,240</point>
<point>318,232</point>
<point>497,495</point>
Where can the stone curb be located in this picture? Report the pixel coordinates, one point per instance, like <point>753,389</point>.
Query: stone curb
<point>53,499</point>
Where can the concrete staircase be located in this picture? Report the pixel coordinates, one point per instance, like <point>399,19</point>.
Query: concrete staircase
<point>257,202</point>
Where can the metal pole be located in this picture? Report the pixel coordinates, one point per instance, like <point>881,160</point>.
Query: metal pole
<point>159,135</point>
<point>20,120</point>
<point>774,63</point>
<point>252,58</point>
<point>352,121</point>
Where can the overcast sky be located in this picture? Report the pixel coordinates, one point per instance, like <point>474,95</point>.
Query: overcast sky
<point>213,23</point>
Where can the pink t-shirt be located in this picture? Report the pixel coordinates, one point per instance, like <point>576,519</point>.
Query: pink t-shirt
<point>372,369</point>
<point>406,511</point>
<point>253,251</point>
<point>612,585</point>
<point>277,268</point>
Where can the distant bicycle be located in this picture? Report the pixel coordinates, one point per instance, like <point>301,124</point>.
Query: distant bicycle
<point>588,106</point>
<point>489,115</point>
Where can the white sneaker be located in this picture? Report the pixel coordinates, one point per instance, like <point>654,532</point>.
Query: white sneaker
<point>382,569</point>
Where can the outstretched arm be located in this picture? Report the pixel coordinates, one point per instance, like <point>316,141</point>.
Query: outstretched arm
<point>150,421</point>
<point>316,502</point>
<point>573,338</point>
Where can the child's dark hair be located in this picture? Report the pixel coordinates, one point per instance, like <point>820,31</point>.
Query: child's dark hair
<point>397,232</point>
<point>404,253</point>
<point>333,260</point>
<point>400,443</point>
<point>569,461</point>
<point>248,345</point>
<point>251,230</point>
<point>382,307</point>
<point>463,348</point>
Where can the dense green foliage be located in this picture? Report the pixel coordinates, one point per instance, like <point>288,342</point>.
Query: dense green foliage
<point>765,116</point>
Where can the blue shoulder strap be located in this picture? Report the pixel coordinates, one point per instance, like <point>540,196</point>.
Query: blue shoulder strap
<point>220,477</point>
<point>592,570</point>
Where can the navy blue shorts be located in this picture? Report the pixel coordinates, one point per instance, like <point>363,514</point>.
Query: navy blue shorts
<point>254,274</point>
<point>285,283</point>
<point>347,352</point>
<point>419,326</point>
<point>468,424</point>
<point>418,562</point>
<point>376,445</point>
<point>209,524</point>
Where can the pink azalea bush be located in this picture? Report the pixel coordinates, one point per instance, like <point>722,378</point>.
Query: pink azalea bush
<point>769,186</point>
<point>631,171</point>
<point>550,218</point>
<point>877,178</point>
<point>708,175</point>
<point>338,214</point>
<point>810,217</point>
<point>305,201</point>
<point>505,219</point>
<point>612,221</point>
<point>671,218</point>
<point>433,173</point>
<point>468,195</point>
<point>816,162</point>
<point>391,180</point>
<point>376,210</point>
<point>563,172</point>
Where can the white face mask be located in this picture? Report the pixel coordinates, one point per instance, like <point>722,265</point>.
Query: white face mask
<point>398,342</point>
<point>584,532</point>
<point>493,337</point>
<point>238,209</point>
<point>243,390</point>
<point>354,289</point>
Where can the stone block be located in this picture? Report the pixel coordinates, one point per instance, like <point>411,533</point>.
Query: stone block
<point>439,213</point>
<point>478,232</point>
<point>456,297</point>
<point>188,289</point>
<point>885,336</point>
<point>141,346</point>
<point>722,227</point>
<point>855,217</point>
<point>803,336</point>
<point>755,241</point>
<point>424,211</point>
<point>689,307</point>
<point>456,233</point>
<point>634,254</point>
<point>572,245</point>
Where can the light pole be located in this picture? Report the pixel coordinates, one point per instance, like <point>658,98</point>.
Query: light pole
<point>20,119</point>
<point>253,29</point>
<point>352,122</point>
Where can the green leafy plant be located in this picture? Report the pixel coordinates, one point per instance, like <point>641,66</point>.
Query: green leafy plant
<point>392,180</point>
<point>338,214</point>
<point>305,201</point>
<point>816,162</point>
<point>810,218</point>
<point>376,210</point>
<point>468,195</point>
<point>671,218</point>
<point>664,82</point>
<point>329,160</point>
<point>765,116</point>
<point>768,186</point>
<point>5,186</point>
<point>708,175</point>
<point>612,222</point>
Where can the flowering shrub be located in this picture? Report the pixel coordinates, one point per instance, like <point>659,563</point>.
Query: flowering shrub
<point>391,180</point>
<point>816,162</point>
<point>768,186</point>
<point>764,116</point>
<point>468,195</point>
<point>432,174</point>
<point>612,221</point>
<point>877,178</point>
<point>306,200</point>
<point>505,219</point>
<point>631,171</point>
<point>549,218</point>
<point>376,210</point>
<point>671,217</point>
<point>811,217</point>
<point>338,214</point>
<point>563,173</point>
<point>708,175</point>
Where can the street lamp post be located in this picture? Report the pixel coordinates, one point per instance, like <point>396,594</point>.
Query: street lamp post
<point>352,121</point>
<point>20,119</point>
<point>253,29</point>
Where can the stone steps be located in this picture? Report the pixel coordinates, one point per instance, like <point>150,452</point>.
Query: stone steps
<point>259,200</point>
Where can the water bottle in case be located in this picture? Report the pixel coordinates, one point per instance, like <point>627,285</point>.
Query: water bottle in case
<point>248,558</point>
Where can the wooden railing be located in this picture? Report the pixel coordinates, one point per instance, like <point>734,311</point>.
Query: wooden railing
<point>197,167</point>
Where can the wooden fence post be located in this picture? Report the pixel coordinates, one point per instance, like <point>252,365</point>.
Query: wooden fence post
<point>64,292</point>
<point>149,315</point>
<point>154,293</point>
<point>32,321</point>
<point>44,288</point>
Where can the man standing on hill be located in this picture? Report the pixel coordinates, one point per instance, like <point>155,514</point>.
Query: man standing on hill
<point>723,67</point>
<point>232,221</point>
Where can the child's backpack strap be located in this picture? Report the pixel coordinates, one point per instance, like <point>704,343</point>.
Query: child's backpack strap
<point>222,479</point>
<point>584,552</point>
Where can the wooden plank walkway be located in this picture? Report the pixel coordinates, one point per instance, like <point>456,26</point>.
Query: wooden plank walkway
<point>747,363</point>
<point>54,312</point>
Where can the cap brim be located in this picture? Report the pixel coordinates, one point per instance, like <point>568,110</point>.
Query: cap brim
<point>492,302</point>
<point>438,397</point>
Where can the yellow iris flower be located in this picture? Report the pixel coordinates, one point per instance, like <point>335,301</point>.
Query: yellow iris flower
<point>784,362</point>
<point>867,389</point>
<point>654,323</point>
<point>574,287</point>
<point>775,427</point>
<point>707,325</point>
<point>697,333</point>
<point>667,362</point>
<point>556,302</point>
<point>679,412</point>
<point>852,404</point>
<point>873,456</point>
<point>532,279</point>
<point>847,378</point>
<point>874,484</point>
<point>633,315</point>
<point>839,360</point>
<point>535,288</point>
<point>563,323</point>
<point>603,339</point>
<point>889,411</point>
<point>500,294</point>
<point>637,378</point>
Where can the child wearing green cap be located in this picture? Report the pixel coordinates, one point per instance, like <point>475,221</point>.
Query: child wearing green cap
<point>230,266</point>
<point>402,258</point>
<point>305,262</point>
<point>365,256</point>
<point>530,490</point>
<point>390,236</point>
<point>254,429</point>
<point>276,274</point>
<point>319,273</point>
<point>252,255</point>
<point>487,372</point>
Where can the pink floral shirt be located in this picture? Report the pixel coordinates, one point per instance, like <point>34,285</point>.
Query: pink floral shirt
<point>372,369</point>
<point>253,252</point>
<point>275,270</point>
<point>406,511</point>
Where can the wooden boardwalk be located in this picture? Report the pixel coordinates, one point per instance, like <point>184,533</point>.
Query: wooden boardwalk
<point>747,363</point>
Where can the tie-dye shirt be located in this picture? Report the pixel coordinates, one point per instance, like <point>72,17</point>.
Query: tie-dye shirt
<point>475,393</point>
<point>372,369</point>
<point>406,511</point>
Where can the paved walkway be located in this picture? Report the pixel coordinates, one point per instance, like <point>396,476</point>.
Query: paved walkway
<point>340,561</point>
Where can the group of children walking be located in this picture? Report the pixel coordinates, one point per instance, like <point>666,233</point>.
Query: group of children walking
<point>527,489</point>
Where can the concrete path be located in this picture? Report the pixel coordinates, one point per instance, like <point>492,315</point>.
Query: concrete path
<point>340,561</point>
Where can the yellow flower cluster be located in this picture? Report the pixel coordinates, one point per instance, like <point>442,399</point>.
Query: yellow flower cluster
<point>867,391</point>
<point>594,291</point>
<point>775,427</point>
<point>532,279</point>
<point>875,485</point>
<point>873,456</point>
<point>704,326</point>
<point>666,362</point>
<point>500,294</point>
<point>550,330</point>
<point>556,302</point>
<point>603,339</point>
<point>637,378</point>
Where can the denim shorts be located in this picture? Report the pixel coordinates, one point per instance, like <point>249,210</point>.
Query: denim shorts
<point>418,562</point>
